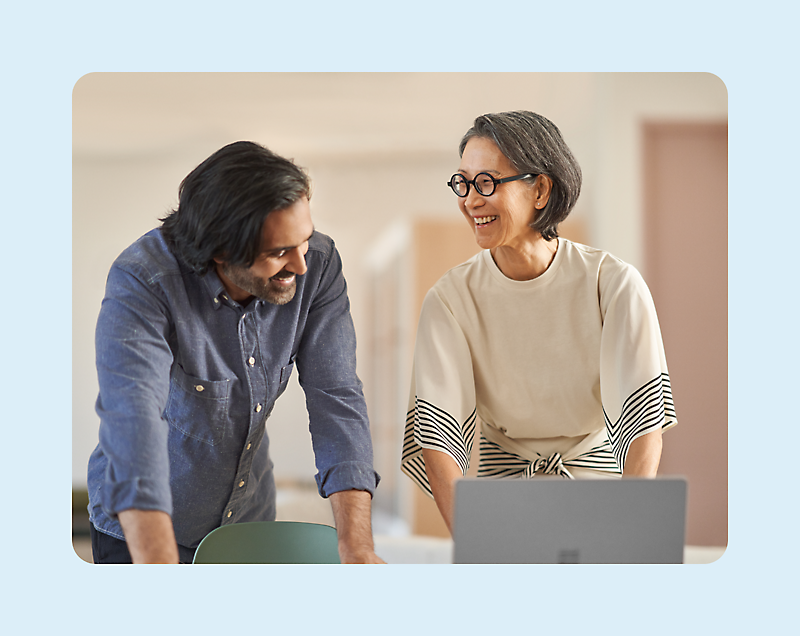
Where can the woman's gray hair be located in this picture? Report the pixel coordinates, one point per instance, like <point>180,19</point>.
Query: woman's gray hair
<point>534,144</point>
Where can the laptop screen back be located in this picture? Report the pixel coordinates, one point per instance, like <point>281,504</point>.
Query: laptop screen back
<point>554,520</point>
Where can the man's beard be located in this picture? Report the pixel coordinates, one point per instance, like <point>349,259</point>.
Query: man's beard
<point>259,287</point>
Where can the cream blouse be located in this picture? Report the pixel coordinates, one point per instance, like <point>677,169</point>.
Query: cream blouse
<point>562,371</point>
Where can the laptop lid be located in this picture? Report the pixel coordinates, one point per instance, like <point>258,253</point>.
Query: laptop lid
<point>556,520</point>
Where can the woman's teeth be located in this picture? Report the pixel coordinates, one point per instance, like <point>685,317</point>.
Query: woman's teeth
<point>483,220</point>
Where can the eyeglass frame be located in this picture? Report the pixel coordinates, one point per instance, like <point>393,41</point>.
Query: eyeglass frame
<point>495,182</point>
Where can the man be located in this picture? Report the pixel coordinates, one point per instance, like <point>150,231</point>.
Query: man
<point>202,323</point>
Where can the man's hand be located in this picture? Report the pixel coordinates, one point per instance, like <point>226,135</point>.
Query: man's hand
<point>352,514</point>
<point>149,535</point>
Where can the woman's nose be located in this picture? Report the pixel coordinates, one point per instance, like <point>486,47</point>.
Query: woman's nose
<point>473,199</point>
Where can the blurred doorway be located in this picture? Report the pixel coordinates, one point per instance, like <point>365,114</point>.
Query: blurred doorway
<point>686,268</point>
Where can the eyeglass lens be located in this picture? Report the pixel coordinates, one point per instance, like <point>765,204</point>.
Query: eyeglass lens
<point>483,182</point>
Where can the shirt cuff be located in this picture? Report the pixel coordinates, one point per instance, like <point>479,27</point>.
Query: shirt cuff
<point>138,493</point>
<point>347,476</point>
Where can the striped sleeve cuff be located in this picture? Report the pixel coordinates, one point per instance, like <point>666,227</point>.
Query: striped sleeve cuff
<point>644,411</point>
<point>430,427</point>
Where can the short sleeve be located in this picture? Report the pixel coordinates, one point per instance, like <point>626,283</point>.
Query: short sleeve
<point>441,409</point>
<point>634,381</point>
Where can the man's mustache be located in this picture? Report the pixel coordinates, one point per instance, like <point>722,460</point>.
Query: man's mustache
<point>283,274</point>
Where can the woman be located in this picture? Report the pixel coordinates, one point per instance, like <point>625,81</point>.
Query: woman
<point>554,347</point>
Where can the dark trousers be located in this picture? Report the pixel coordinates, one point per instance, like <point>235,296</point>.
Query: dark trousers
<point>108,549</point>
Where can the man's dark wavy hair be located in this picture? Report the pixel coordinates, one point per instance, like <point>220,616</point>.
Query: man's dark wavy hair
<point>533,144</point>
<point>223,202</point>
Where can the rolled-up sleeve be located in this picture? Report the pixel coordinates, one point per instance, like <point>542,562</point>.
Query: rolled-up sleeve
<point>133,365</point>
<point>337,411</point>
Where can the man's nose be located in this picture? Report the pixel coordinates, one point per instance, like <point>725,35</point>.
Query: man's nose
<point>297,261</point>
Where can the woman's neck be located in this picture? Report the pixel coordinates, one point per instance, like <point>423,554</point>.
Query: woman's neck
<point>526,261</point>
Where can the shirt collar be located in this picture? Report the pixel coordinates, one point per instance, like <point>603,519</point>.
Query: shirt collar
<point>216,290</point>
<point>214,287</point>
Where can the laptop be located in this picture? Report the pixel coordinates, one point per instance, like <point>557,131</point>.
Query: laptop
<point>556,520</point>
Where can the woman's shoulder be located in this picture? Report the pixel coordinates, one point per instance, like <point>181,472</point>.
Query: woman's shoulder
<point>588,253</point>
<point>460,275</point>
<point>603,262</point>
<point>456,286</point>
<point>612,274</point>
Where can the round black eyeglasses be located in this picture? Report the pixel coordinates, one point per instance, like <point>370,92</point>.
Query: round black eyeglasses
<point>484,183</point>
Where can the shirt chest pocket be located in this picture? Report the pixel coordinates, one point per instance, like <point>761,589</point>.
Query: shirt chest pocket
<point>197,408</point>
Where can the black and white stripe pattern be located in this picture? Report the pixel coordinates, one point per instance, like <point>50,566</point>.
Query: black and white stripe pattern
<point>497,462</point>
<point>426,424</point>
<point>645,410</point>
<point>434,428</point>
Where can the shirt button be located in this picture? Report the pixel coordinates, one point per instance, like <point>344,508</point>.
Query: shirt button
<point>241,483</point>
<point>258,408</point>
<point>230,512</point>
<point>199,387</point>
<point>251,361</point>
<point>216,301</point>
<point>248,446</point>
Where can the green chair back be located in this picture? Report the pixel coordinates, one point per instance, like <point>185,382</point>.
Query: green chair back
<point>269,542</point>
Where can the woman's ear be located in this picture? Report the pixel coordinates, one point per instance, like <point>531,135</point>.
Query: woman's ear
<point>542,189</point>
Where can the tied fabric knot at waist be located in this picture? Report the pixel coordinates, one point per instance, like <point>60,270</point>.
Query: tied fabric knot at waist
<point>552,465</point>
<point>505,457</point>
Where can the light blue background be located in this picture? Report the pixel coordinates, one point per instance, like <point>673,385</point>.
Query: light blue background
<point>47,48</point>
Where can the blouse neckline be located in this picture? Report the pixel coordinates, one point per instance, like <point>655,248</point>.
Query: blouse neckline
<point>534,283</point>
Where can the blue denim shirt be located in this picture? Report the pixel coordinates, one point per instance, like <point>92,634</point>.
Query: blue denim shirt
<point>188,378</point>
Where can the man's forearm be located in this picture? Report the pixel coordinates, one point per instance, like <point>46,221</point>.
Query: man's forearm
<point>352,511</point>
<point>149,535</point>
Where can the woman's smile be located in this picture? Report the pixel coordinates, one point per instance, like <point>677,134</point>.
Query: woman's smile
<point>482,221</point>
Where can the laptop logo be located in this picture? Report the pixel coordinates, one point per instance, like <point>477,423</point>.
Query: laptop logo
<point>568,556</point>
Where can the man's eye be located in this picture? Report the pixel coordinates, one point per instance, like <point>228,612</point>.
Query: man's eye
<point>280,254</point>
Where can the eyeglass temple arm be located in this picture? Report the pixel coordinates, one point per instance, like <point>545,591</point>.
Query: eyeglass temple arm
<point>515,177</point>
